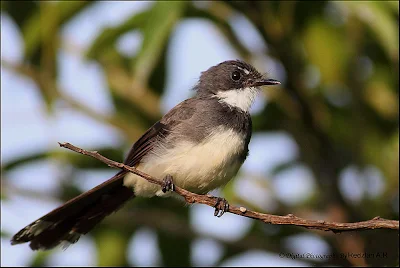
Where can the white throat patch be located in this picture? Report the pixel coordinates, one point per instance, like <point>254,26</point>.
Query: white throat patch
<point>242,98</point>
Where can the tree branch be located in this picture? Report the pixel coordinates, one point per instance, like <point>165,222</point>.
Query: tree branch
<point>375,223</point>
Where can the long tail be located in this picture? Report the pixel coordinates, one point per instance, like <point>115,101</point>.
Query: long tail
<point>78,216</point>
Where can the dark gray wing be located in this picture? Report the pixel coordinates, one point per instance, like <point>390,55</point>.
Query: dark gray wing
<point>144,144</point>
<point>161,129</point>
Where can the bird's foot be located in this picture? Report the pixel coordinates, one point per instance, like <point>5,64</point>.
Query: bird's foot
<point>221,206</point>
<point>168,184</point>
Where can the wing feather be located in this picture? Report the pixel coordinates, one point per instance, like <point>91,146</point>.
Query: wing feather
<point>161,129</point>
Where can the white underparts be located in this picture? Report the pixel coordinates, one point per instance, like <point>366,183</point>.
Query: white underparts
<point>196,167</point>
<point>238,98</point>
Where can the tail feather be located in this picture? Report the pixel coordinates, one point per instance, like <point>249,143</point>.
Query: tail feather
<point>76,217</point>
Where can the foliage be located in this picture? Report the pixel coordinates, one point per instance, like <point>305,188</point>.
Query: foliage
<point>339,103</point>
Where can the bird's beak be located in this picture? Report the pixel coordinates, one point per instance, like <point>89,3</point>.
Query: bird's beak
<point>266,82</point>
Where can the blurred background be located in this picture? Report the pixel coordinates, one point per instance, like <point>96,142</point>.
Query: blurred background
<point>97,74</point>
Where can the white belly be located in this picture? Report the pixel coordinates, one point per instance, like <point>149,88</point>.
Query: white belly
<point>199,168</point>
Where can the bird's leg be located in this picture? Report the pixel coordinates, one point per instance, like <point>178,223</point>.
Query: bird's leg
<point>221,206</point>
<point>168,184</point>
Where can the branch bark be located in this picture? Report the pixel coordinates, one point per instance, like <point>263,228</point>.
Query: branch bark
<point>290,219</point>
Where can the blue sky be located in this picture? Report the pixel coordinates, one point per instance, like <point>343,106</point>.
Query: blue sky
<point>196,45</point>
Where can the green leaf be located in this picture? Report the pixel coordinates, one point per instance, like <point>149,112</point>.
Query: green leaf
<point>40,259</point>
<point>175,250</point>
<point>76,160</point>
<point>47,20</point>
<point>393,5</point>
<point>20,11</point>
<point>26,159</point>
<point>325,49</point>
<point>110,35</point>
<point>222,24</point>
<point>380,96</point>
<point>5,234</point>
<point>41,40</point>
<point>283,166</point>
<point>381,22</point>
<point>111,247</point>
<point>160,22</point>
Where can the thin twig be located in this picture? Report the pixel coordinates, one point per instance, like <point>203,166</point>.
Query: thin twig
<point>375,223</point>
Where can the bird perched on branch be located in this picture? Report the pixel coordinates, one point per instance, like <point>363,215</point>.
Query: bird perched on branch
<point>198,145</point>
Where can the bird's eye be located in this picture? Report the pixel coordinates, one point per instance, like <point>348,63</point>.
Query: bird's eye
<point>235,76</point>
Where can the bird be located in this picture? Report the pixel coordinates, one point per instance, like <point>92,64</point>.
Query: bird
<point>199,145</point>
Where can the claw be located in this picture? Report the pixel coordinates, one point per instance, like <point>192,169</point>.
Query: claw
<point>168,184</point>
<point>221,206</point>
